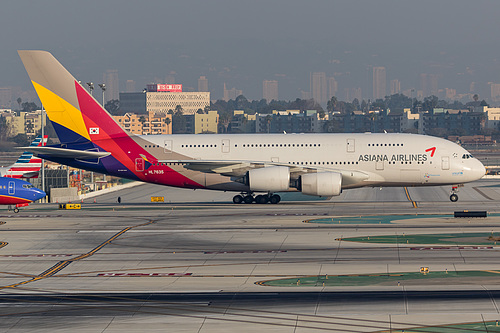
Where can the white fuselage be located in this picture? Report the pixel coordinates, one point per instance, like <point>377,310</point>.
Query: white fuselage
<point>363,159</point>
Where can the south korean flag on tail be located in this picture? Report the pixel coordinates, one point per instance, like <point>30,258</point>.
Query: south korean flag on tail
<point>94,130</point>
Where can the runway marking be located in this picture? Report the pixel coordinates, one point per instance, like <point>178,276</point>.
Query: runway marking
<point>256,251</point>
<point>144,274</point>
<point>482,193</point>
<point>453,248</point>
<point>409,198</point>
<point>29,216</point>
<point>297,214</point>
<point>63,264</point>
<point>35,255</point>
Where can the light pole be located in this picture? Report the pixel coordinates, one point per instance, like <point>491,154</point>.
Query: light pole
<point>91,87</point>
<point>103,87</point>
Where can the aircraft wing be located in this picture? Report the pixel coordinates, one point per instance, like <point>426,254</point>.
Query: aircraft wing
<point>240,168</point>
<point>64,152</point>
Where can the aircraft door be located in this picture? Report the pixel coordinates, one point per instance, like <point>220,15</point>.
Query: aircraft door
<point>225,145</point>
<point>445,163</point>
<point>168,144</point>
<point>139,164</point>
<point>12,188</point>
<point>351,143</point>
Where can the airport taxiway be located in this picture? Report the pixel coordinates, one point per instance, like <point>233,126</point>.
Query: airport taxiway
<point>199,264</point>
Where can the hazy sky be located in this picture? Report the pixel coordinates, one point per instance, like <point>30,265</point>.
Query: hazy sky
<point>243,43</point>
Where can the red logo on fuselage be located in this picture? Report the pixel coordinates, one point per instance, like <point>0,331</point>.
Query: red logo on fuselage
<point>432,150</point>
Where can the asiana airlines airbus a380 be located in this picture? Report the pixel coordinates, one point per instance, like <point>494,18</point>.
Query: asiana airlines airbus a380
<point>314,164</point>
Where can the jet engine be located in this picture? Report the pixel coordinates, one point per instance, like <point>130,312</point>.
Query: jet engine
<point>324,184</point>
<point>270,179</point>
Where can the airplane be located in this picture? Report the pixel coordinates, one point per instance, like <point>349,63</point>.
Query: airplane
<point>27,165</point>
<point>18,192</point>
<point>315,164</point>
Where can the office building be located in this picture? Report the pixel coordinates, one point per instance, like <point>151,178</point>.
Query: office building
<point>203,84</point>
<point>270,90</point>
<point>166,97</point>
<point>379,83</point>
<point>318,87</point>
<point>395,87</point>
<point>333,87</point>
<point>112,85</point>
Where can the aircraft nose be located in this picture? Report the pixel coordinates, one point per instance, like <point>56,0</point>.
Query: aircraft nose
<point>478,169</point>
<point>39,194</point>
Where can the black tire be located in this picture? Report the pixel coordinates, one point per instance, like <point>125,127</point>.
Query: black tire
<point>16,210</point>
<point>237,199</point>
<point>261,199</point>
<point>274,199</point>
<point>453,197</point>
<point>248,199</point>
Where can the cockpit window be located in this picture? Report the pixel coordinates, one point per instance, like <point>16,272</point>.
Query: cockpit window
<point>467,156</point>
<point>27,186</point>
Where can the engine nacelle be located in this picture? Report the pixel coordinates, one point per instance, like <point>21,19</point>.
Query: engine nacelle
<point>270,179</point>
<point>324,184</point>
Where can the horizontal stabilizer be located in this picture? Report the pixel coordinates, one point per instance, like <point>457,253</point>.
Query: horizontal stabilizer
<point>65,153</point>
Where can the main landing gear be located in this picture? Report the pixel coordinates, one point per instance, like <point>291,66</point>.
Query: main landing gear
<point>15,209</point>
<point>248,198</point>
<point>454,195</point>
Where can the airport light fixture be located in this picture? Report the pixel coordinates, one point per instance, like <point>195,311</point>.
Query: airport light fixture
<point>91,87</point>
<point>103,87</point>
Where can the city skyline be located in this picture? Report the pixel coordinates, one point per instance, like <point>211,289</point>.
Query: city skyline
<point>455,46</point>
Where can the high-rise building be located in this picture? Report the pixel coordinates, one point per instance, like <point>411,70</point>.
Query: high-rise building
<point>130,86</point>
<point>318,87</point>
<point>270,90</point>
<point>170,78</point>
<point>202,83</point>
<point>6,98</point>
<point>231,93</point>
<point>333,87</point>
<point>495,91</point>
<point>112,85</point>
<point>429,84</point>
<point>450,93</point>
<point>395,86</point>
<point>379,82</point>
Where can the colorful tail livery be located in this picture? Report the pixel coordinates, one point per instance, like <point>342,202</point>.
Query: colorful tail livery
<point>27,165</point>
<point>90,138</point>
<point>314,164</point>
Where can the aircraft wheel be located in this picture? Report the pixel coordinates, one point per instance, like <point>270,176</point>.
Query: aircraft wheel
<point>453,197</point>
<point>261,199</point>
<point>237,199</point>
<point>274,199</point>
<point>16,210</point>
<point>248,199</point>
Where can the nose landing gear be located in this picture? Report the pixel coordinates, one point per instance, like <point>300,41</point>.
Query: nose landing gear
<point>453,193</point>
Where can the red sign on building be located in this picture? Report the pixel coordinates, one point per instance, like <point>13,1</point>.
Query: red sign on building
<point>164,87</point>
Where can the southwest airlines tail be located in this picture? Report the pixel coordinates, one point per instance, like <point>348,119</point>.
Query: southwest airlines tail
<point>27,165</point>
<point>90,138</point>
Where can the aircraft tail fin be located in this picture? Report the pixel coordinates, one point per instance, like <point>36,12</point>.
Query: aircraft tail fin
<point>27,165</point>
<point>76,116</point>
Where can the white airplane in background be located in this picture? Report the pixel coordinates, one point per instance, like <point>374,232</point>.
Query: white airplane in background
<point>314,164</point>
<point>27,165</point>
